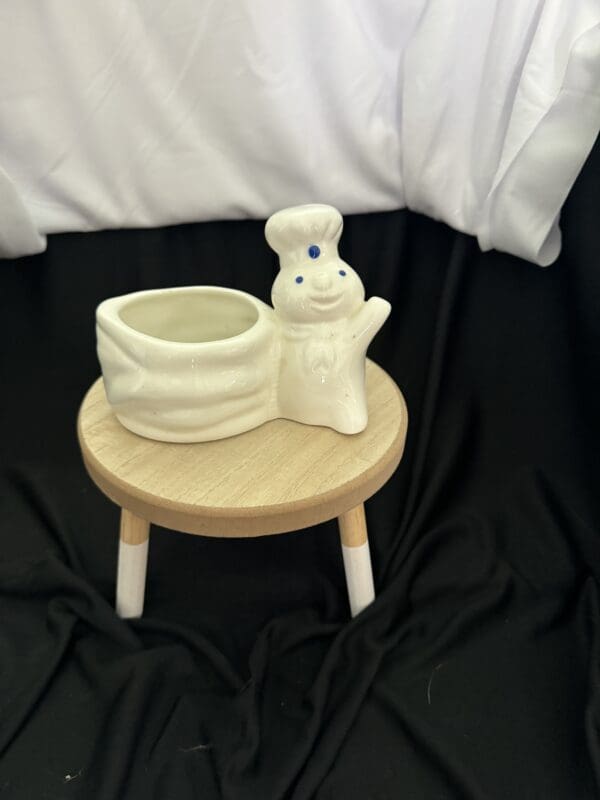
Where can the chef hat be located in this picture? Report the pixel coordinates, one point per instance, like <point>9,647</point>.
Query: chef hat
<point>304,233</point>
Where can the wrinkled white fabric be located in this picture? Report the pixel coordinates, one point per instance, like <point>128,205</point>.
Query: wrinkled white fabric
<point>123,114</point>
<point>498,121</point>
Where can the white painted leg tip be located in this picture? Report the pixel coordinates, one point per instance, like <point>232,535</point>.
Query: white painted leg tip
<point>131,579</point>
<point>359,577</point>
<point>125,615</point>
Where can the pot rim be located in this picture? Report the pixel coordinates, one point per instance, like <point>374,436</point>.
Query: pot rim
<point>108,313</point>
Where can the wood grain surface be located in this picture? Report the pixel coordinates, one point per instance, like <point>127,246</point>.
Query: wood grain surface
<point>279,477</point>
<point>353,526</point>
<point>133,529</point>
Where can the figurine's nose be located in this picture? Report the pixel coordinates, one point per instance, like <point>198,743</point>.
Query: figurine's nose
<point>321,281</point>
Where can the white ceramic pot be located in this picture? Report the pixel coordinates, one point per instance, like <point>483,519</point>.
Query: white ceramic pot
<point>200,363</point>
<point>189,364</point>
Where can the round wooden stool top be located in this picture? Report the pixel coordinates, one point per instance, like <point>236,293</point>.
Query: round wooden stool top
<point>279,477</point>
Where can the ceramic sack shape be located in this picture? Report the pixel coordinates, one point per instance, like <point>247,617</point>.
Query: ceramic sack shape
<point>199,363</point>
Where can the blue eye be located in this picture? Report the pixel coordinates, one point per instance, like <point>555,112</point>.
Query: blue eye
<point>314,251</point>
<point>343,273</point>
<point>299,279</point>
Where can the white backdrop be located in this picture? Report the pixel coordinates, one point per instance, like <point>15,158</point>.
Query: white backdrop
<point>117,113</point>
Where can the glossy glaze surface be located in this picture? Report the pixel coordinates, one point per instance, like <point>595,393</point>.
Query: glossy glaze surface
<point>169,377</point>
<point>326,325</point>
<point>201,363</point>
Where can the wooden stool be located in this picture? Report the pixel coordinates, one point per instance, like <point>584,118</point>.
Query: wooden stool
<point>280,477</point>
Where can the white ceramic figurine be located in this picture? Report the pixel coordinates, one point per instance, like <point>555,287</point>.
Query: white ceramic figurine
<point>326,325</point>
<point>196,363</point>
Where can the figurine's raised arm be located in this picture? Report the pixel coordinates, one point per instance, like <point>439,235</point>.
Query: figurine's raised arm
<point>369,320</point>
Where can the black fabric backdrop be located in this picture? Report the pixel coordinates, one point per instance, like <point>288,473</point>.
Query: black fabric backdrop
<point>476,672</point>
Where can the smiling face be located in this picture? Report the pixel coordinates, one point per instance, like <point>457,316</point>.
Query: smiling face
<point>324,291</point>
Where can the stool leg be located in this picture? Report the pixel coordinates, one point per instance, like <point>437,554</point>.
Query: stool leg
<point>131,570</point>
<point>357,559</point>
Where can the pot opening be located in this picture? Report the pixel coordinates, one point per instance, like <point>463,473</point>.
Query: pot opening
<point>193,316</point>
